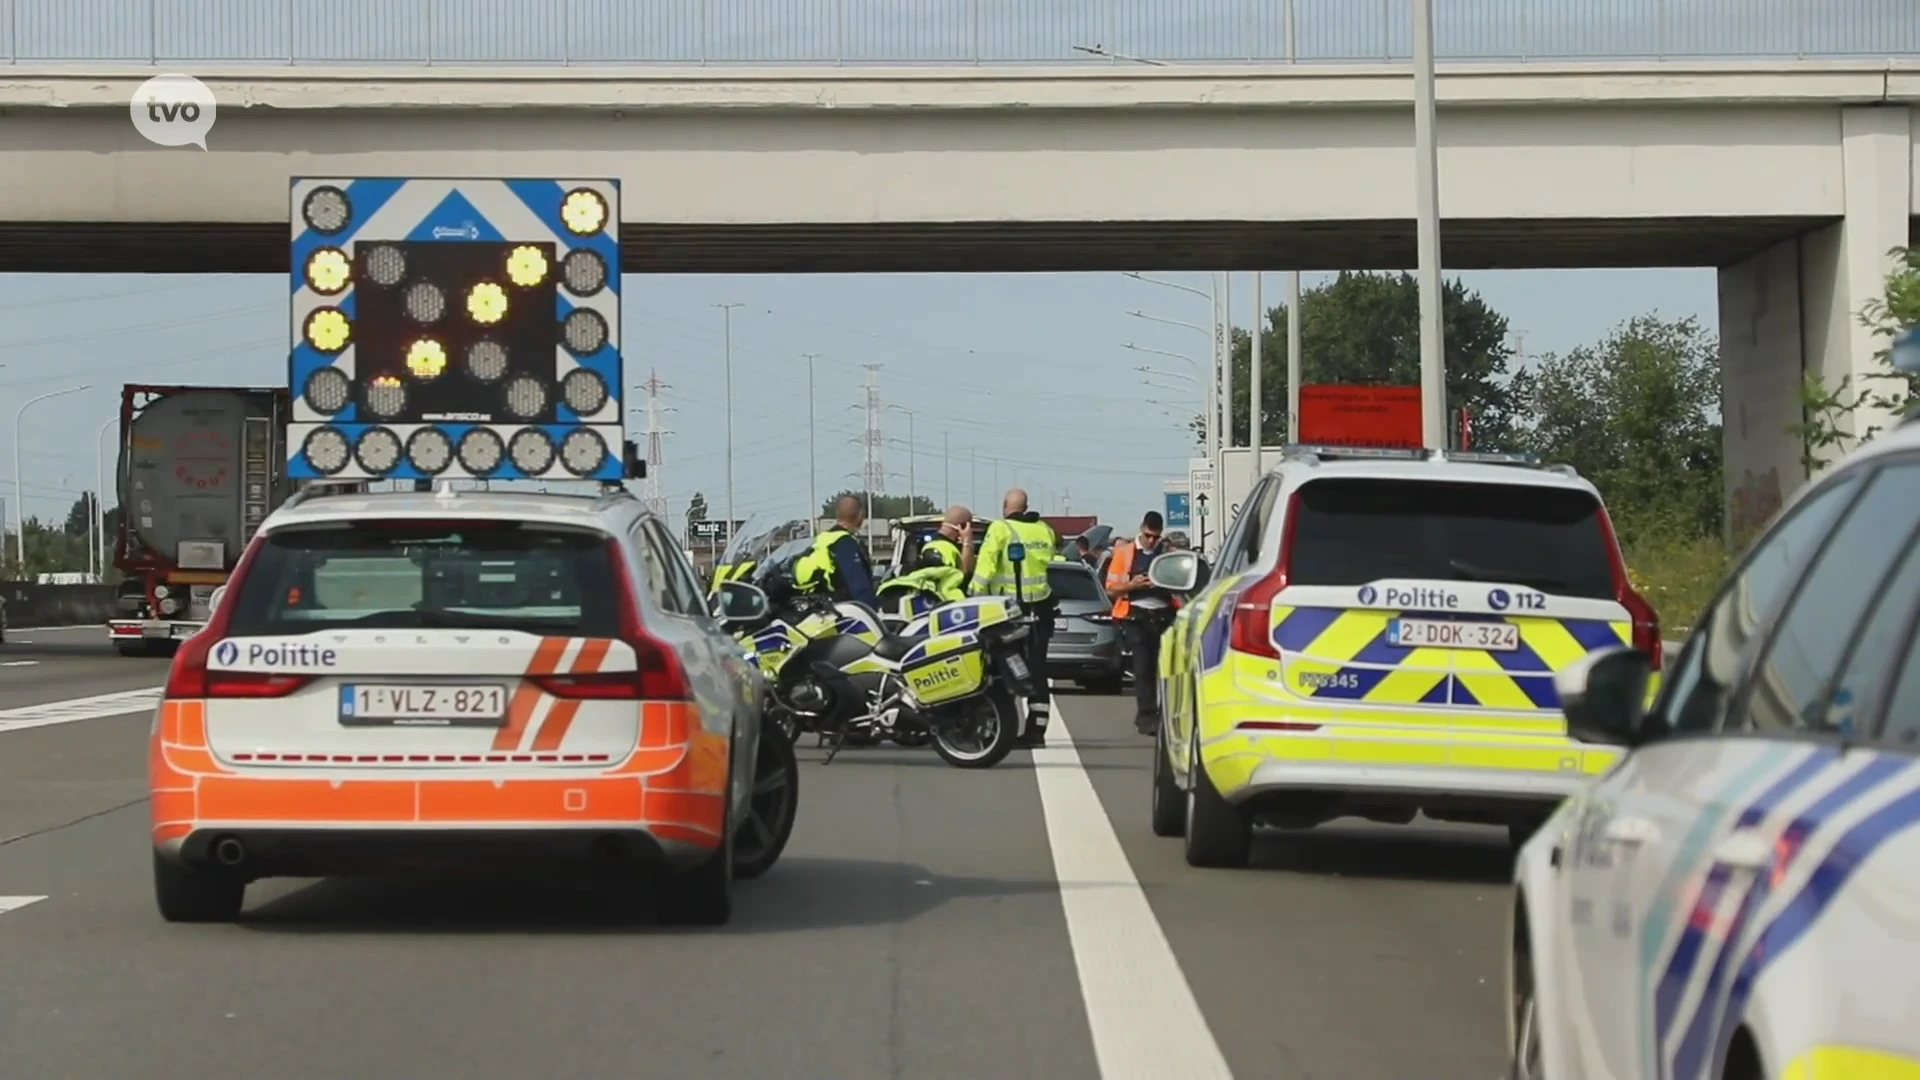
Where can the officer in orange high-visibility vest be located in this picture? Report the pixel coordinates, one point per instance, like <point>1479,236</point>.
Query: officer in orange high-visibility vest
<point>1143,613</point>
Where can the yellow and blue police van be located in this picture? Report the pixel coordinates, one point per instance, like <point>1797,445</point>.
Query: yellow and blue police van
<point>1379,639</point>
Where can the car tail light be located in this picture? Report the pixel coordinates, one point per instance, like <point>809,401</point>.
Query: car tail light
<point>1646,621</point>
<point>659,676</point>
<point>1253,613</point>
<point>599,686</point>
<point>246,684</point>
<point>188,677</point>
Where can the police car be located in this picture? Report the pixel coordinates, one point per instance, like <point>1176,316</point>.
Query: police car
<point>396,677</point>
<point>1379,639</point>
<point>1740,898</point>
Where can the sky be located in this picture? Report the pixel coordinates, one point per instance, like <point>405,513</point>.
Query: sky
<point>1010,379</point>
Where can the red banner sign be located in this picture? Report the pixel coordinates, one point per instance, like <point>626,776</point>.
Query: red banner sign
<point>1386,416</point>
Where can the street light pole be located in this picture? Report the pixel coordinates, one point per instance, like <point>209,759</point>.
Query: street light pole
<point>1293,356</point>
<point>727,346</point>
<point>1253,378</point>
<point>19,489</point>
<point>97,525</point>
<point>1426,163</point>
<point>813,469</point>
<point>1211,294</point>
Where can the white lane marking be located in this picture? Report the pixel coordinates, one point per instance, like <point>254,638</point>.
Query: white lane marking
<point>22,663</point>
<point>86,708</point>
<point>15,903</point>
<point>1145,1021</point>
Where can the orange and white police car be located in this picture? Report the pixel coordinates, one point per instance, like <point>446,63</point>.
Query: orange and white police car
<point>445,676</point>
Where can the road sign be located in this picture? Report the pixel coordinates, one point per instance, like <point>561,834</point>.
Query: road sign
<point>1177,514</point>
<point>1200,480</point>
<point>1336,415</point>
<point>713,530</point>
<point>462,328</point>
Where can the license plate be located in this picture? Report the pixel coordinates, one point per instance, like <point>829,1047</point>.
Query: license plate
<point>185,631</point>
<point>1018,666</point>
<point>429,706</point>
<point>1446,634</point>
<point>1061,626</point>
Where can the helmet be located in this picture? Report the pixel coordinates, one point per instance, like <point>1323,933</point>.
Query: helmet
<point>929,559</point>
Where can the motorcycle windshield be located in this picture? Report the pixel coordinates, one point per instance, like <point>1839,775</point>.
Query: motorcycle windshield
<point>751,530</point>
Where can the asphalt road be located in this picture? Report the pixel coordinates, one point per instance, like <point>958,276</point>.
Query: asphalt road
<point>924,923</point>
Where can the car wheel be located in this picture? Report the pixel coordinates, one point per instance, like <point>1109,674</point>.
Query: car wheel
<point>192,894</point>
<point>1169,802</point>
<point>774,803</point>
<point>1218,834</point>
<point>703,895</point>
<point>1526,1061</point>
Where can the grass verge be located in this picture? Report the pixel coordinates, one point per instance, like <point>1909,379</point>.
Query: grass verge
<point>1678,577</point>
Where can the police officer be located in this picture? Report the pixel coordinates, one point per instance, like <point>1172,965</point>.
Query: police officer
<point>951,544</point>
<point>996,575</point>
<point>1143,613</point>
<point>836,564</point>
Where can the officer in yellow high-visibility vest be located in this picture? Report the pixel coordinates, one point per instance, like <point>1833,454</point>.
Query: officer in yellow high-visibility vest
<point>996,575</point>
<point>836,564</point>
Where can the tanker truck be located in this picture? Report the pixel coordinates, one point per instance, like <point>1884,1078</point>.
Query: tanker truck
<point>199,468</point>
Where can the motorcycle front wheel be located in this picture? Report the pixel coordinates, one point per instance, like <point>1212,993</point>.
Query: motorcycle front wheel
<point>977,733</point>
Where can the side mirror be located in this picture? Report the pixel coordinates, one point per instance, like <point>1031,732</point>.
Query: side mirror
<point>213,600</point>
<point>739,602</point>
<point>1176,571</point>
<point>1604,694</point>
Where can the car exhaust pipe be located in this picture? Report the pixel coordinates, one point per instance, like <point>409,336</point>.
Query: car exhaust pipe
<point>229,851</point>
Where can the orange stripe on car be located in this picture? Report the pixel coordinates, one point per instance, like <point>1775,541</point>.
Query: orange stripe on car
<point>674,784</point>
<point>546,658</point>
<point>553,730</point>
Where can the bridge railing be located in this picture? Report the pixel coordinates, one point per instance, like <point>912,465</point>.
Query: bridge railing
<point>937,32</point>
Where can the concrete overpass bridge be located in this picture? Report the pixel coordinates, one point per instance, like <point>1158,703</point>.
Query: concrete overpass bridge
<point>1791,178</point>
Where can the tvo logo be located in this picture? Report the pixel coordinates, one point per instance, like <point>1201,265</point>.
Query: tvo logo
<point>173,110</point>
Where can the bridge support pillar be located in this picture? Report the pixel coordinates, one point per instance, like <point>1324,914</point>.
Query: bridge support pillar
<point>1794,309</point>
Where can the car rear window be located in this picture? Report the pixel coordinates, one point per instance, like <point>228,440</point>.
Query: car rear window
<point>1352,531</point>
<point>503,575</point>
<point>1073,583</point>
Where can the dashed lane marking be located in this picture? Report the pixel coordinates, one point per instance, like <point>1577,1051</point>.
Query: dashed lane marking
<point>15,903</point>
<point>21,663</point>
<point>1145,1022</point>
<point>86,708</point>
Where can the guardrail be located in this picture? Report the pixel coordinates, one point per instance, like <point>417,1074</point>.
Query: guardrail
<point>938,32</point>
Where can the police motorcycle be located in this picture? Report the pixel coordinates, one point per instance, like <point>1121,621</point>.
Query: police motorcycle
<point>792,622</point>
<point>953,676</point>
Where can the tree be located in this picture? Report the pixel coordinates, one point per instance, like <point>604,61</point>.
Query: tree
<point>885,506</point>
<point>1365,328</point>
<point>1639,415</point>
<point>1833,413</point>
<point>696,509</point>
<point>80,515</point>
